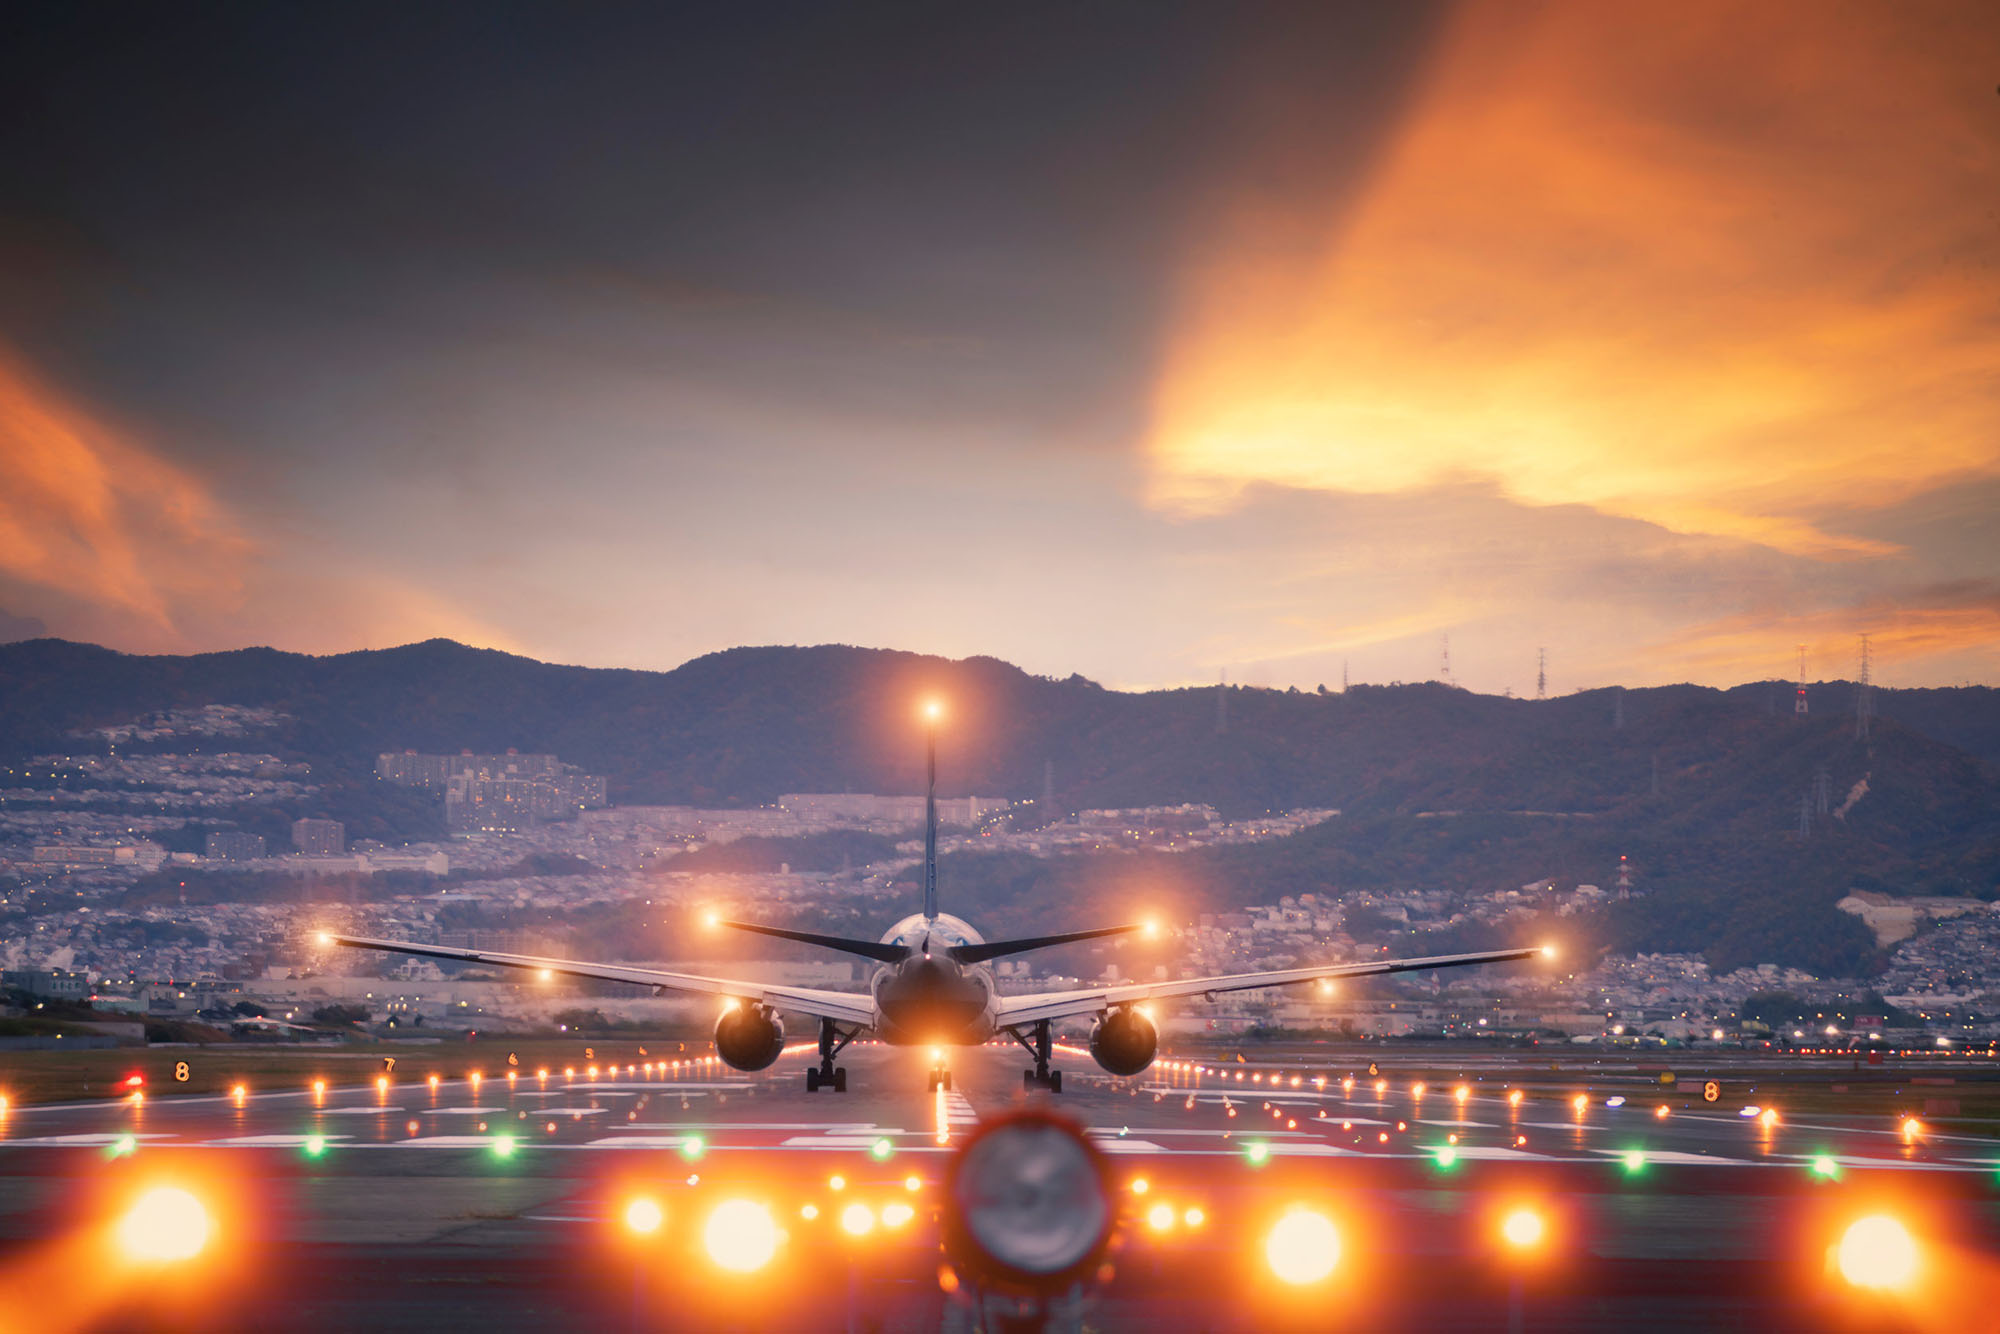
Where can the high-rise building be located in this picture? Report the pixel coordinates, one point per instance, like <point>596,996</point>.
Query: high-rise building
<point>233,845</point>
<point>319,838</point>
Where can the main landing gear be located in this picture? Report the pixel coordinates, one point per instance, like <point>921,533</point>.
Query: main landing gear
<point>940,1079</point>
<point>829,1075</point>
<point>1041,1076</point>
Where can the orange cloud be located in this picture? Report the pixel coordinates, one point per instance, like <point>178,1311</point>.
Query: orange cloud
<point>93,518</point>
<point>1960,618</point>
<point>1719,267</point>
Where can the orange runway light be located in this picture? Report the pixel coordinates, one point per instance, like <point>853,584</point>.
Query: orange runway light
<point>381,1083</point>
<point>1579,1104</point>
<point>1660,1112</point>
<point>1523,1229</point>
<point>164,1225</point>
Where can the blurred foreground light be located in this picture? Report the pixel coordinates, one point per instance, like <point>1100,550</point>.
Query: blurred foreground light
<point>1194,1218</point>
<point>1522,1229</point>
<point>897,1214</point>
<point>644,1216</point>
<point>1140,1185</point>
<point>857,1220</point>
<point>164,1225</point>
<point>1877,1252</point>
<point>1160,1217</point>
<point>740,1236</point>
<point>1303,1247</point>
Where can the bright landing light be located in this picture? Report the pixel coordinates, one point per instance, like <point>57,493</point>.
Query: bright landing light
<point>1303,1247</point>
<point>1522,1228</point>
<point>163,1225</point>
<point>741,1236</point>
<point>1877,1252</point>
<point>643,1216</point>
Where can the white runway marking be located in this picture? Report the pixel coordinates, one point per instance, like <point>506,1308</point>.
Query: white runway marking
<point>88,1140</point>
<point>640,1142</point>
<point>358,1111</point>
<point>274,1141</point>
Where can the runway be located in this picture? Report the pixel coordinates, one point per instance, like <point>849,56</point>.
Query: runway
<point>495,1203</point>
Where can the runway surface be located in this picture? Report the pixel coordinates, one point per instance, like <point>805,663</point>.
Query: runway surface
<point>498,1203</point>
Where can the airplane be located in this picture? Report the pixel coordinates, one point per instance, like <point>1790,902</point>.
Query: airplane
<point>932,988</point>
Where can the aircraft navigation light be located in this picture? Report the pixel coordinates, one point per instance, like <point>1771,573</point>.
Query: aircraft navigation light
<point>857,1220</point>
<point>1303,1247</point>
<point>643,1216</point>
<point>740,1236</point>
<point>164,1225</point>
<point>1877,1252</point>
<point>1523,1229</point>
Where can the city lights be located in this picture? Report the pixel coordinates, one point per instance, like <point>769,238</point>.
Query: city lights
<point>1303,1247</point>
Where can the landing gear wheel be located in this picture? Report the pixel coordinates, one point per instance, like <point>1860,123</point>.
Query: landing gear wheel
<point>840,1079</point>
<point>1055,1081</point>
<point>812,1081</point>
<point>940,1079</point>
<point>947,1081</point>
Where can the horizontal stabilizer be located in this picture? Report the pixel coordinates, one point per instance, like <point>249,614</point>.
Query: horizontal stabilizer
<point>867,949</point>
<point>994,949</point>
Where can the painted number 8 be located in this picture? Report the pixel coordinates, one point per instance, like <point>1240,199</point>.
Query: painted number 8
<point>181,1071</point>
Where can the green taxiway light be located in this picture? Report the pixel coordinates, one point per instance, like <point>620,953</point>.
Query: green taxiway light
<point>1257,1153</point>
<point>121,1146</point>
<point>1446,1156</point>
<point>880,1150</point>
<point>693,1147</point>
<point>315,1145</point>
<point>1823,1166</point>
<point>1635,1161</point>
<point>503,1146</point>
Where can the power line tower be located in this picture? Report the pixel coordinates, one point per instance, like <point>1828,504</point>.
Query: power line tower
<point>1822,791</point>
<point>1343,676</point>
<point>1864,697</point>
<point>1444,663</point>
<point>1541,673</point>
<point>1805,815</point>
<point>1799,701</point>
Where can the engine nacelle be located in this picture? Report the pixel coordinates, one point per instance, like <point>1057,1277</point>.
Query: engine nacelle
<point>749,1037</point>
<point>1124,1041</point>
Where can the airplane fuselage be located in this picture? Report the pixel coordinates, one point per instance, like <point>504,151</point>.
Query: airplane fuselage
<point>930,998</point>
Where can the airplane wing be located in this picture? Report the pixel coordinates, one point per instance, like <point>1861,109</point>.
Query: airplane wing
<point>845,1007</point>
<point>1063,1004</point>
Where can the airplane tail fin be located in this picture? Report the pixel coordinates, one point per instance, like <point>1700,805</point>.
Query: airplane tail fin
<point>867,949</point>
<point>930,826</point>
<point>994,949</point>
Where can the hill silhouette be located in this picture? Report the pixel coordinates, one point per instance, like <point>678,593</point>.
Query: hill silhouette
<point>1440,787</point>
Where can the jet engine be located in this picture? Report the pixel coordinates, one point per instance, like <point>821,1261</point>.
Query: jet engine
<point>749,1037</point>
<point>1124,1041</point>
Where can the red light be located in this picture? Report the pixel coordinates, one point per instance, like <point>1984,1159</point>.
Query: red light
<point>135,1081</point>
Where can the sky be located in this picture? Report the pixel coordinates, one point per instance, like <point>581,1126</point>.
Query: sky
<point>1290,344</point>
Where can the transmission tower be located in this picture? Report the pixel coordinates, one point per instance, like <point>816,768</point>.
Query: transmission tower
<point>1444,663</point>
<point>1805,814</point>
<point>1864,697</point>
<point>1343,676</point>
<point>1541,673</point>
<point>1799,701</point>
